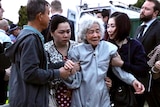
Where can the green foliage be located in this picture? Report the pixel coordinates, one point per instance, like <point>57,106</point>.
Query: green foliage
<point>139,3</point>
<point>22,16</point>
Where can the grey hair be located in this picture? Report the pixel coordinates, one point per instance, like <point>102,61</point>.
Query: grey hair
<point>3,23</point>
<point>85,23</point>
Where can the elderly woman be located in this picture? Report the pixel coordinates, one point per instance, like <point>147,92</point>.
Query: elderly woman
<point>94,55</point>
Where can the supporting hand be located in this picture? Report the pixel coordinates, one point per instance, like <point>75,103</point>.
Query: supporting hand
<point>138,86</point>
<point>157,66</point>
<point>117,61</point>
<point>67,69</point>
<point>108,82</point>
<point>64,73</point>
<point>69,64</point>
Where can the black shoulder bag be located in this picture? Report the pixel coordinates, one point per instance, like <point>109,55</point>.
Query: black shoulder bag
<point>123,95</point>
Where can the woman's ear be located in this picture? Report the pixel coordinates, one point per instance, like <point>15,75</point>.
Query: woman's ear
<point>51,34</point>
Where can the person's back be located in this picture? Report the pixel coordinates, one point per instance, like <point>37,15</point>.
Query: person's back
<point>3,63</point>
<point>105,16</point>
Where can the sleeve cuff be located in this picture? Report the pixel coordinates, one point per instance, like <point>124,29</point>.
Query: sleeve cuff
<point>154,71</point>
<point>56,73</point>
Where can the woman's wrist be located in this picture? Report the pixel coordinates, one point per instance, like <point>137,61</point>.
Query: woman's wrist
<point>154,69</point>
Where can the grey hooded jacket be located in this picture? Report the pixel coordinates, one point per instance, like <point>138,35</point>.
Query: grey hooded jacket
<point>89,87</point>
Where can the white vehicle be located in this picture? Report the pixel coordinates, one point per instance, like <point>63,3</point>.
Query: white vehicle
<point>111,6</point>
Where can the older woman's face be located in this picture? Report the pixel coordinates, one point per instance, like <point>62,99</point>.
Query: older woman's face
<point>93,35</point>
<point>62,34</point>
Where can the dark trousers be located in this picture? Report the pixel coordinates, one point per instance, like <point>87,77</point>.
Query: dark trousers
<point>3,88</point>
<point>3,92</point>
<point>153,97</point>
<point>140,99</point>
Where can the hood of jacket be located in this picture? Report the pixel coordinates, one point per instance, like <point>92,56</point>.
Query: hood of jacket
<point>10,51</point>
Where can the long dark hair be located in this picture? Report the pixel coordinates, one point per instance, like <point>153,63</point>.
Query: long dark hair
<point>123,25</point>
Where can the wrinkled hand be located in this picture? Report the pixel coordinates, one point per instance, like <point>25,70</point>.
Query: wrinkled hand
<point>76,67</point>
<point>108,82</point>
<point>69,65</point>
<point>67,69</point>
<point>138,86</point>
<point>117,61</point>
<point>157,65</point>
